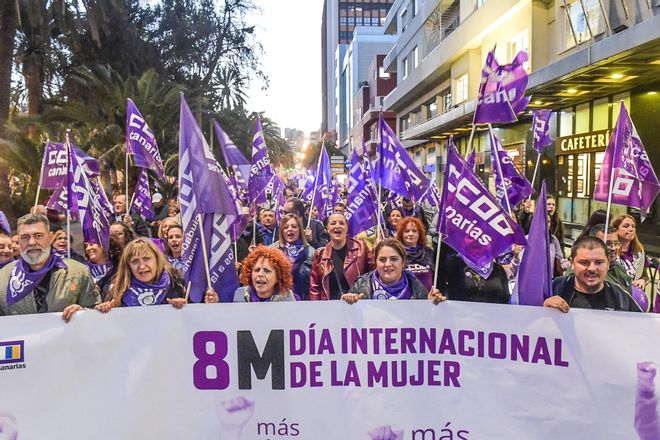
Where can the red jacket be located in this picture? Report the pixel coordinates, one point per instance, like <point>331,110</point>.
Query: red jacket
<point>356,264</point>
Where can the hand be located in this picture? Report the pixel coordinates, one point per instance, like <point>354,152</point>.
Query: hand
<point>210,296</point>
<point>69,311</point>
<point>234,413</point>
<point>238,266</point>
<point>352,298</point>
<point>640,283</point>
<point>436,296</point>
<point>8,428</point>
<point>177,303</point>
<point>128,220</point>
<point>308,234</point>
<point>645,375</point>
<point>387,432</point>
<point>556,302</point>
<point>105,307</point>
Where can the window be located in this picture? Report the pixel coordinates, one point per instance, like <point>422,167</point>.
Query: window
<point>382,74</point>
<point>404,67</point>
<point>433,109</point>
<point>413,7</point>
<point>415,54</point>
<point>518,43</point>
<point>446,98</point>
<point>462,88</point>
<point>582,23</point>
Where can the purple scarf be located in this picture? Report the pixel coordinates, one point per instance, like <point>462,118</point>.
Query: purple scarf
<point>399,290</point>
<point>254,298</point>
<point>22,281</point>
<point>100,271</point>
<point>141,294</point>
<point>176,263</point>
<point>296,254</point>
<point>268,235</point>
<point>420,265</point>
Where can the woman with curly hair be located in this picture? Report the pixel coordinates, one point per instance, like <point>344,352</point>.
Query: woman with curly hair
<point>419,257</point>
<point>266,276</point>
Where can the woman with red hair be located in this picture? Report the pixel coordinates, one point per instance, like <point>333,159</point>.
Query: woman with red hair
<point>266,276</point>
<point>419,256</point>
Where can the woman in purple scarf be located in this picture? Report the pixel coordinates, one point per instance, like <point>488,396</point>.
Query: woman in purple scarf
<point>294,245</point>
<point>390,280</point>
<point>100,267</point>
<point>6,250</point>
<point>266,277</point>
<point>145,278</point>
<point>419,257</point>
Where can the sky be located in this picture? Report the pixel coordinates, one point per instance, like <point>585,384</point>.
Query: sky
<point>290,32</point>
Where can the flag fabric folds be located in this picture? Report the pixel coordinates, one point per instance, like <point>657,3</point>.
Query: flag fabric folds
<point>141,142</point>
<point>634,182</point>
<point>471,221</point>
<point>233,158</point>
<point>323,182</point>
<point>395,169</point>
<point>541,129</point>
<point>55,165</point>
<point>141,203</point>
<point>534,283</point>
<point>516,185</point>
<point>204,193</point>
<point>261,172</point>
<point>502,90</point>
<point>361,206</point>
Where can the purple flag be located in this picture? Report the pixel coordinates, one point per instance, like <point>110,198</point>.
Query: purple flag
<point>310,178</point>
<point>54,165</point>
<point>433,196</point>
<point>534,283</point>
<point>4,223</point>
<point>541,128</point>
<point>502,90</point>
<point>141,142</point>
<point>322,197</point>
<point>471,220</point>
<point>142,197</point>
<point>233,157</point>
<point>83,200</point>
<point>517,186</point>
<point>361,207</point>
<point>634,182</point>
<point>202,190</point>
<point>261,172</point>
<point>396,170</point>
<point>107,207</point>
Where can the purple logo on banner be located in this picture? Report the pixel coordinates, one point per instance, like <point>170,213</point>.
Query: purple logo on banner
<point>141,142</point>
<point>516,185</point>
<point>634,182</point>
<point>471,220</point>
<point>502,90</point>
<point>541,128</point>
<point>395,168</point>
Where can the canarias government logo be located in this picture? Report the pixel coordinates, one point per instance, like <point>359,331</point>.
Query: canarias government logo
<point>12,355</point>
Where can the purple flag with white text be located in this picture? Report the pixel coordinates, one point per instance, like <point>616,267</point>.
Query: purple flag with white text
<point>54,165</point>
<point>233,158</point>
<point>502,90</point>
<point>141,142</point>
<point>534,283</point>
<point>634,182</point>
<point>261,172</point>
<point>471,220</point>
<point>517,186</point>
<point>83,200</point>
<point>541,129</point>
<point>395,169</point>
<point>361,206</point>
<point>142,197</point>
<point>203,192</point>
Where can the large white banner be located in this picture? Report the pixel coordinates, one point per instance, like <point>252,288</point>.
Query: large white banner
<point>376,370</point>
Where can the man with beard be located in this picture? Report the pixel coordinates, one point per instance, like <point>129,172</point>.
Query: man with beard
<point>40,281</point>
<point>588,288</point>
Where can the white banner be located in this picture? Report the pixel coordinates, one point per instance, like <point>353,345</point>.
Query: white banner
<point>376,370</point>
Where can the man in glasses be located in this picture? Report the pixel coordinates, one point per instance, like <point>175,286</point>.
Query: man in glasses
<point>616,273</point>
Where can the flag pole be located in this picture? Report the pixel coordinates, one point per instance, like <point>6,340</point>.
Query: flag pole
<point>316,182</point>
<point>536,169</point>
<point>68,208</point>
<point>499,169</point>
<point>379,165</point>
<point>204,251</point>
<point>126,177</point>
<point>41,174</point>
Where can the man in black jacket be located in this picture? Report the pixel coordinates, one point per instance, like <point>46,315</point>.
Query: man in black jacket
<point>588,289</point>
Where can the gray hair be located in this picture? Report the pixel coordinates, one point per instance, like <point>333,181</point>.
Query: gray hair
<point>30,219</point>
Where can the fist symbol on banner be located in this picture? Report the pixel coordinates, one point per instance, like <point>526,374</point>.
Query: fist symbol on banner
<point>234,414</point>
<point>387,432</point>
<point>8,428</point>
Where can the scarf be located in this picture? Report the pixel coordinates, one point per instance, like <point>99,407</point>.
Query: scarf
<point>100,271</point>
<point>266,234</point>
<point>142,294</point>
<point>296,254</point>
<point>254,298</point>
<point>633,263</point>
<point>22,281</point>
<point>176,263</point>
<point>399,290</point>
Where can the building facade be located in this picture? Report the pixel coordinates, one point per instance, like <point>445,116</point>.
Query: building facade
<point>585,56</point>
